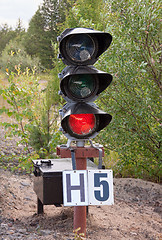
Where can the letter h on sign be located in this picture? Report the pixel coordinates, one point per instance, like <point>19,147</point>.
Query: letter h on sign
<point>75,188</point>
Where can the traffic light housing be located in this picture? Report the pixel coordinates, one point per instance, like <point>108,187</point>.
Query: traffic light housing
<point>82,46</point>
<point>81,83</point>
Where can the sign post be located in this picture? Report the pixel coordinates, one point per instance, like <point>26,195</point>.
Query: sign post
<point>80,211</point>
<point>81,154</point>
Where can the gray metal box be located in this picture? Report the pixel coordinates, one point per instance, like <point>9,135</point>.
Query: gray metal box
<point>48,179</point>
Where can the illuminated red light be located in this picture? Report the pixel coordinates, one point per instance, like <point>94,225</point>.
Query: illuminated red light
<point>82,124</point>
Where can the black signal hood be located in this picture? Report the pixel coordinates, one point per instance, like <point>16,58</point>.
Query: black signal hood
<point>104,79</point>
<point>102,39</point>
<point>102,118</point>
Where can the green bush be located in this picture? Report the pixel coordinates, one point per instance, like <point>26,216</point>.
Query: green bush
<point>14,57</point>
<point>34,115</point>
<point>133,98</point>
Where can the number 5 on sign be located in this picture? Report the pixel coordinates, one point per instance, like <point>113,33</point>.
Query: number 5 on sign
<point>100,187</point>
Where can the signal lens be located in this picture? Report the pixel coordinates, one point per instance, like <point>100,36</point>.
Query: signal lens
<point>82,124</point>
<point>80,47</point>
<point>82,86</point>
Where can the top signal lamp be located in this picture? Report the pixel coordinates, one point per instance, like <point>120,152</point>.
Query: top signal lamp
<point>83,46</point>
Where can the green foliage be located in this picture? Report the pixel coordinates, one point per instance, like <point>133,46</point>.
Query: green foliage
<point>7,34</point>
<point>25,162</point>
<point>18,95</point>
<point>21,163</point>
<point>44,134</point>
<point>33,113</point>
<point>85,14</point>
<point>133,98</point>
<point>15,58</point>
<point>37,42</point>
<point>43,126</point>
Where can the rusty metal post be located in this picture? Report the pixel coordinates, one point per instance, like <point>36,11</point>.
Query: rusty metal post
<point>81,154</point>
<point>40,209</point>
<point>80,211</point>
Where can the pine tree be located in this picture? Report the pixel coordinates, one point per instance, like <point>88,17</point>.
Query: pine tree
<point>44,28</point>
<point>6,34</point>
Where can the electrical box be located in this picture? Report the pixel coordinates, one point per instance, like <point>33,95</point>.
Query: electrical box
<point>48,184</point>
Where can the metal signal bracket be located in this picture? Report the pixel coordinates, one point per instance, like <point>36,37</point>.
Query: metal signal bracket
<point>79,150</point>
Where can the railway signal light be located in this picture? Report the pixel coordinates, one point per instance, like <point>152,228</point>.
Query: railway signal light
<point>81,83</point>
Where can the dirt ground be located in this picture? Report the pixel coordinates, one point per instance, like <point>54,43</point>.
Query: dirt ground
<point>136,214</point>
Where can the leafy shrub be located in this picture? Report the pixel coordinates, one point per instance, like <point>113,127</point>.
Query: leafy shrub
<point>34,115</point>
<point>133,98</point>
<point>14,57</point>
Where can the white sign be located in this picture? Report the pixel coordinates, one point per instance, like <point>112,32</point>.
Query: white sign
<point>88,187</point>
<point>100,187</point>
<point>75,188</point>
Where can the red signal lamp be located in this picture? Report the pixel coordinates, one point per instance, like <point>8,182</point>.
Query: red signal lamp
<point>82,124</point>
<point>83,121</point>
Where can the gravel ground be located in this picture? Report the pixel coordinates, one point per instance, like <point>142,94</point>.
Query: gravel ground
<point>136,214</point>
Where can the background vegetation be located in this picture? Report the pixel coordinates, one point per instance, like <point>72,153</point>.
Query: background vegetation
<point>132,141</point>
